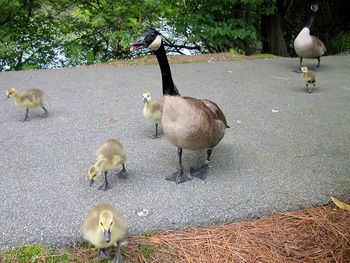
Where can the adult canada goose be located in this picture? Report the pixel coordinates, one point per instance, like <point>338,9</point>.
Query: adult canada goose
<point>110,154</point>
<point>188,123</point>
<point>104,226</point>
<point>30,98</point>
<point>152,110</point>
<point>309,77</point>
<point>307,46</point>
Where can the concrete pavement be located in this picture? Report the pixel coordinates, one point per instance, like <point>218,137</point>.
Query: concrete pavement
<point>283,142</point>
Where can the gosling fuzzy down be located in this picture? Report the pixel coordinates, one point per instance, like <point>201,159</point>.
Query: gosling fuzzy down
<point>103,227</point>
<point>109,155</point>
<point>309,77</point>
<point>30,98</point>
<point>152,110</point>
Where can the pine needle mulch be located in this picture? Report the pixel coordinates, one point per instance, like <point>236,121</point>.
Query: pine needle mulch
<point>320,234</point>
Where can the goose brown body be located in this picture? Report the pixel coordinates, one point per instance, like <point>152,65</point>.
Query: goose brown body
<point>308,46</point>
<point>192,124</point>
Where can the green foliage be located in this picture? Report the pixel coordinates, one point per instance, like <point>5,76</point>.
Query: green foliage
<point>340,43</point>
<point>23,254</point>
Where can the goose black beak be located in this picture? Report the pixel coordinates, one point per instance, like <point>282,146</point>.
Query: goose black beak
<point>107,235</point>
<point>91,182</point>
<point>138,44</point>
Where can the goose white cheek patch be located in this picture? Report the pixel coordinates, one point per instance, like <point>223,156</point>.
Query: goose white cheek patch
<point>156,43</point>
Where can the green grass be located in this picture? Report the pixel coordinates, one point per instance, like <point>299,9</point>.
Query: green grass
<point>260,56</point>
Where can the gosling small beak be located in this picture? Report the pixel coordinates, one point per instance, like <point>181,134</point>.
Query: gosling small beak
<point>107,235</point>
<point>144,100</point>
<point>91,182</point>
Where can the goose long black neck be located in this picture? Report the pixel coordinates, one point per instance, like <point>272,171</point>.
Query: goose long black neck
<point>312,18</point>
<point>169,87</point>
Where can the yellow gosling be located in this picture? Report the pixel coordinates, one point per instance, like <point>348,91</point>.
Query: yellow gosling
<point>152,110</point>
<point>309,77</point>
<point>103,227</point>
<point>30,98</point>
<point>109,155</point>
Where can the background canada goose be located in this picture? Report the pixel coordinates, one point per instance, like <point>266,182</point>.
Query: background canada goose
<point>188,123</point>
<point>152,110</point>
<point>307,46</point>
<point>110,154</point>
<point>30,98</point>
<point>309,77</point>
<point>104,226</point>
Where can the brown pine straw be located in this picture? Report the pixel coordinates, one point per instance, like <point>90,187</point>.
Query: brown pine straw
<point>320,234</point>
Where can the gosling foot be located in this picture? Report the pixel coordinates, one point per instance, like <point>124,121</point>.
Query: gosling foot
<point>122,174</point>
<point>118,257</point>
<point>45,115</point>
<point>104,187</point>
<point>103,253</point>
<point>200,172</point>
<point>179,177</point>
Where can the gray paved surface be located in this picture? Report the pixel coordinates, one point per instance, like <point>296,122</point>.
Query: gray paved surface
<point>45,191</point>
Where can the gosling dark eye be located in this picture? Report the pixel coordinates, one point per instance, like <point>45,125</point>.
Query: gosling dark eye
<point>101,224</point>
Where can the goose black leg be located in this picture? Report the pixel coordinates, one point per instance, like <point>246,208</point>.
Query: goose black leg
<point>26,117</point>
<point>318,64</point>
<point>180,176</point>
<point>201,172</point>
<point>118,257</point>
<point>45,114</point>
<point>299,69</point>
<point>105,186</point>
<point>122,174</point>
<point>103,253</point>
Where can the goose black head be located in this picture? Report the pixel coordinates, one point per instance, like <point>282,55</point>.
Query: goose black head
<point>149,39</point>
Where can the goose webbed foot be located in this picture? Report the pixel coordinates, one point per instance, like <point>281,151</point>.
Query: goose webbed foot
<point>200,172</point>
<point>104,187</point>
<point>179,177</point>
<point>103,253</point>
<point>118,257</point>
<point>122,174</point>
<point>154,136</point>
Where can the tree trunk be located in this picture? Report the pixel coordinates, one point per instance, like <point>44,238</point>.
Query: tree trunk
<point>271,28</point>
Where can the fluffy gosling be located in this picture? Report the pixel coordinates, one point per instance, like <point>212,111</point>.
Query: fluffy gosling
<point>102,227</point>
<point>152,110</point>
<point>309,77</point>
<point>30,98</point>
<point>109,155</point>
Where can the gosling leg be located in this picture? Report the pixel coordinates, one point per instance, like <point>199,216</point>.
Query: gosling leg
<point>118,257</point>
<point>103,253</point>
<point>105,186</point>
<point>180,176</point>
<point>26,117</point>
<point>122,174</point>
<point>156,135</point>
<point>45,114</point>
<point>201,172</point>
